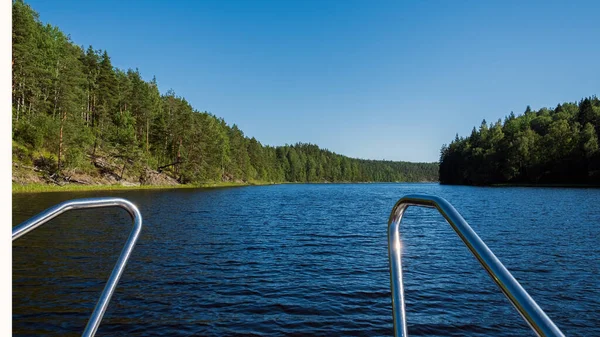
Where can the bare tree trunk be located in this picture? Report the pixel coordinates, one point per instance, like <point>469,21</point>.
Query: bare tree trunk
<point>19,100</point>
<point>60,139</point>
<point>123,170</point>
<point>55,92</point>
<point>96,140</point>
<point>93,109</point>
<point>55,103</point>
<point>147,135</point>
<point>160,168</point>
<point>87,111</point>
<point>18,107</point>
<point>19,89</point>
<point>22,98</point>
<point>178,156</point>
<point>166,148</point>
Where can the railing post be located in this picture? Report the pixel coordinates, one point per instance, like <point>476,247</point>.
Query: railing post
<point>49,214</point>
<point>519,298</point>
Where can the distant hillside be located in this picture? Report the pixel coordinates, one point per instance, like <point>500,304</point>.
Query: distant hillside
<point>75,115</point>
<point>549,146</point>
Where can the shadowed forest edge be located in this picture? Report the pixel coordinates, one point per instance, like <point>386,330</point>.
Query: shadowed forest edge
<point>546,147</point>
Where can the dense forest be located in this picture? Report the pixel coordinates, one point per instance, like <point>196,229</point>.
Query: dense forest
<point>548,146</point>
<point>71,106</point>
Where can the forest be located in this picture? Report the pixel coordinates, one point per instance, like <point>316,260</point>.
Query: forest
<point>72,108</point>
<point>548,146</point>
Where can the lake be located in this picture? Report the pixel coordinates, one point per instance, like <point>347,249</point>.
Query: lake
<point>307,260</point>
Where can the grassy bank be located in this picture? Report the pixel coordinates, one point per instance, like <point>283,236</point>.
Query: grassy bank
<point>38,188</point>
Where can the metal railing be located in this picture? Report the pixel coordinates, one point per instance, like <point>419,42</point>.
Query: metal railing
<point>111,284</point>
<point>520,299</point>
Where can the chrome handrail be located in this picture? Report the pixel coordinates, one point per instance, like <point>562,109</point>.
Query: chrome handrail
<point>520,299</point>
<point>111,284</point>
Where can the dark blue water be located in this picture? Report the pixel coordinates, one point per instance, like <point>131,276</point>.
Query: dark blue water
<point>307,260</point>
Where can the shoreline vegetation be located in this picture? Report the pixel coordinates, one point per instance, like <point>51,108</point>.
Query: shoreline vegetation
<point>46,188</point>
<point>39,188</point>
<point>42,188</point>
<point>78,119</point>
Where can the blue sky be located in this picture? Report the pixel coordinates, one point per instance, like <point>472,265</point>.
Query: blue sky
<point>369,79</point>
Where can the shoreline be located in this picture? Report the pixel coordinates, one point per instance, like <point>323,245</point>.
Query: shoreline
<point>47,188</point>
<point>558,185</point>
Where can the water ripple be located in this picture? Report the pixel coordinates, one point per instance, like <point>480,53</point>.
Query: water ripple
<point>307,260</point>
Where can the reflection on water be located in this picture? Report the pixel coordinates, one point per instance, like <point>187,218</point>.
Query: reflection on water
<point>306,260</point>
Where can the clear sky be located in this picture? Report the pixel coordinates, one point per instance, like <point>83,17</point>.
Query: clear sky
<point>369,79</point>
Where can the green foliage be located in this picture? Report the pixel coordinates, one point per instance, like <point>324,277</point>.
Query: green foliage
<point>72,103</point>
<point>590,141</point>
<point>78,141</point>
<point>28,134</point>
<point>547,146</point>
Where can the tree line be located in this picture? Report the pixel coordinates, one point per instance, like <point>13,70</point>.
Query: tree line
<point>548,146</point>
<point>72,105</point>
